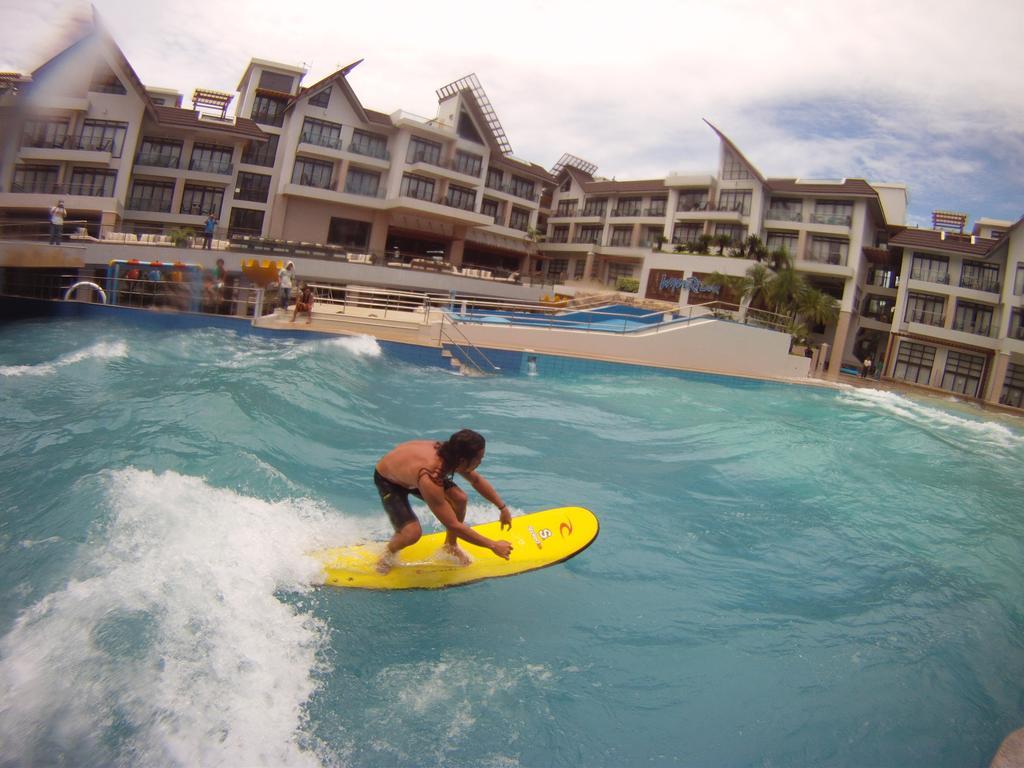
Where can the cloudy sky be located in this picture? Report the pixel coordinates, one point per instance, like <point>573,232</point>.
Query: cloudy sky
<point>924,92</point>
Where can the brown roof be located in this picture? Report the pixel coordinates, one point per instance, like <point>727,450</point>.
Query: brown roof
<point>188,118</point>
<point>858,187</point>
<point>646,185</point>
<point>580,176</point>
<point>377,117</point>
<point>934,240</point>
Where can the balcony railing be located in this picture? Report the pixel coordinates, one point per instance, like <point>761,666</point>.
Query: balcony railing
<point>309,181</point>
<point>222,167</point>
<point>655,211</point>
<point>369,150</point>
<point>424,157</point>
<point>977,327</point>
<point>320,140</point>
<point>463,206</point>
<point>379,192</point>
<point>882,281</point>
<point>427,197</point>
<point>157,160</point>
<point>987,284</point>
<point>1017,333</point>
<point>461,166</point>
<point>881,315</point>
<point>838,219</point>
<point>926,316</point>
<point>739,208</point>
<point>930,276</point>
<point>631,211</point>
<point>87,143</point>
<point>588,239</point>
<point>784,214</point>
<point>621,242</point>
<point>50,188</point>
<point>595,211</point>
<point>268,117</point>
<point>514,190</point>
<point>826,258</point>
<point>559,238</point>
<point>148,204</point>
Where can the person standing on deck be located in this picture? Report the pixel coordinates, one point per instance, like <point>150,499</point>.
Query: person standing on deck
<point>57,215</point>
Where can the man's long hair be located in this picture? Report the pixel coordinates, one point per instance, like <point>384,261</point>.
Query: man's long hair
<point>464,446</point>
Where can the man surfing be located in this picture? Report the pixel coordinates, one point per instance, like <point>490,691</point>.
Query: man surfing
<point>425,468</point>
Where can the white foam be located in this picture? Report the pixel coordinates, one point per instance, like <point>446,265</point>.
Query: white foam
<point>104,350</point>
<point>170,635</point>
<point>360,346</point>
<point>935,418</point>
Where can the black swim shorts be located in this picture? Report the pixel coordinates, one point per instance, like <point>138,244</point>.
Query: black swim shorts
<point>395,499</point>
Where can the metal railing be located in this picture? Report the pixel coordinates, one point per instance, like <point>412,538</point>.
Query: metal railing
<point>838,219</point>
<point>987,284</point>
<point>369,150</point>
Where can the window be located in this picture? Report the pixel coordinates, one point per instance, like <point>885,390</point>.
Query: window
<point>931,269</point>
<point>519,219</point>
<point>268,110</point>
<point>1017,324</point>
<point>922,308</point>
<point>963,373</point>
<point>523,188</point>
<point>734,232</point>
<point>153,196</point>
<point>162,153</point>
<point>417,187</point>
<point>200,201</point>
<point>495,178</point>
<point>622,236</point>
<point>423,151</point>
<point>686,232</point>
<point>838,212</point>
<point>615,271</point>
<point>262,152</point>
<point>254,187</point>
<point>468,163</point>
<point>567,207</point>
<point>349,232</point>
<point>467,130</point>
<point>980,277</point>
<point>105,81</point>
<point>245,221</point>
<point>44,133</point>
<point>321,133</point>
<point>313,173</point>
<point>785,209</point>
<point>973,318</point>
<point>651,235</point>
<point>734,168</point>
<point>657,206</point>
<point>92,182</point>
<point>491,208</point>
<point>558,268</point>
<point>1018,281</point>
<point>275,81</point>
<point>735,200</point>
<point>360,182</point>
<point>588,234</point>
<point>692,200</point>
<point>828,250</point>
<point>321,99</point>
<point>1013,386</point>
<point>369,144</point>
<point>566,185</point>
<point>595,207</point>
<point>211,158</point>
<point>914,362</point>
<point>560,233</point>
<point>879,308</point>
<point>577,269</point>
<point>35,178</point>
<point>460,197</point>
<point>102,136</point>
<point>628,206</point>
<point>882,277</point>
<point>782,241</point>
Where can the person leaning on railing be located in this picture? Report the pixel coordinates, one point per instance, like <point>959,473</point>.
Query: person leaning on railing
<point>57,215</point>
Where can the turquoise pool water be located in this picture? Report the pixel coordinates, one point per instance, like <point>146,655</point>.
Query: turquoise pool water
<point>784,576</point>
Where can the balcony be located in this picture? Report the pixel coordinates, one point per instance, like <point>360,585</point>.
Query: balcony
<point>156,160</point>
<point>311,181</point>
<point>562,237</point>
<point>50,188</point>
<point>659,212</point>
<point>587,239</point>
<point>630,211</point>
<point>881,315</point>
<point>926,317</point>
<point>513,190</point>
<point>149,205</point>
<point>320,140</point>
<point>836,219</point>
<point>836,259</point>
<point>978,327</point>
<point>221,167</point>
<point>595,211</point>
<point>464,206</point>
<point>987,284</point>
<point>378,193</point>
<point>930,276</point>
<point>784,214</point>
<point>466,169</point>
<point>369,150</point>
<point>430,158</point>
<point>268,117</point>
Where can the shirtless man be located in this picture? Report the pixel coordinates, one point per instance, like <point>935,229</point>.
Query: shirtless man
<point>424,468</point>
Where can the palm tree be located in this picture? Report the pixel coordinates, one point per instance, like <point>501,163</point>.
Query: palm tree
<point>702,244</point>
<point>755,248</point>
<point>817,306</point>
<point>758,286</point>
<point>783,289</point>
<point>723,241</point>
<point>780,259</point>
<point>533,238</point>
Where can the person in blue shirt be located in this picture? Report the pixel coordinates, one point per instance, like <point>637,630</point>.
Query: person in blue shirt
<point>208,228</point>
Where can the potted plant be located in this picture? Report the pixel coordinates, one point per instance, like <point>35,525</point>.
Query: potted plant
<point>180,237</point>
<point>659,240</point>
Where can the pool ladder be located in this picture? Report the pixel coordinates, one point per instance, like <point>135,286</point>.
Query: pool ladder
<point>460,353</point>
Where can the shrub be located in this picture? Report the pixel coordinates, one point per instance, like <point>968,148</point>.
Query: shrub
<point>627,285</point>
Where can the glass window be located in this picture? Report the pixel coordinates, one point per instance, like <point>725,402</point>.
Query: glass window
<point>931,269</point>
<point>102,135</point>
<point>629,206</point>
<point>1017,324</point>
<point>785,209</point>
<point>922,308</point>
<point>211,158</point>
<point>519,219</point>
<point>615,271</point>
<point>155,196</point>
<point>417,187</point>
<point>595,207</point>
<point>914,362</point>
<point>245,221</point>
<point>567,207</point>
<point>262,152</point>
<point>92,182</point>
<point>973,318</point>
<point>622,236</point>
<point>268,110</point>
<point>588,234</point>
<point>560,233</point>
<point>360,182</point>
<point>686,232</point>
<point>523,188</point>
<point>423,151</point>
<point>349,232</point>
<point>734,168</point>
<point>275,81</point>
<point>1018,281</point>
<point>200,201</point>
<point>461,197</point>
<point>782,241</point>
<point>735,200</point>
<point>657,206</point>
<point>1013,386</point>
<point>693,200</point>
<point>369,144</point>
<point>879,308</point>
<point>734,232</point>
<point>313,173</point>
<point>491,208</point>
<point>254,187</point>
<point>162,153</point>
<point>35,178</point>
<point>467,130</point>
<point>495,178</point>
<point>321,99</point>
<point>468,163</point>
<point>321,133</point>
<point>828,250</point>
<point>963,373</point>
<point>44,133</point>
<point>838,212</point>
<point>980,276</point>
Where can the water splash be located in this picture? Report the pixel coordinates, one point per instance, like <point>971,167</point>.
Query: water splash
<point>104,350</point>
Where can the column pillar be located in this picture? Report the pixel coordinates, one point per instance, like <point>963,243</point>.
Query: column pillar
<point>839,344</point>
<point>588,266</point>
<point>379,235</point>
<point>109,222</point>
<point>1000,363</point>
<point>456,250</point>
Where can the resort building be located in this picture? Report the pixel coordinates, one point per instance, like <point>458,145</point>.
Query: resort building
<point>311,165</point>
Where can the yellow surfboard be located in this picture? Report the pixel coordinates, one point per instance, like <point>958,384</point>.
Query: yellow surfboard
<point>538,540</point>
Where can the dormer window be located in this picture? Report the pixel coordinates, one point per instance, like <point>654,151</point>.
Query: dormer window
<point>467,130</point>
<point>105,81</point>
<point>321,99</point>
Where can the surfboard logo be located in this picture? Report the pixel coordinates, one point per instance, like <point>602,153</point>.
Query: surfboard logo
<point>566,529</point>
<point>538,537</point>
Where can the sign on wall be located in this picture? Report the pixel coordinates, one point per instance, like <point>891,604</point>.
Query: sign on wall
<point>668,284</point>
